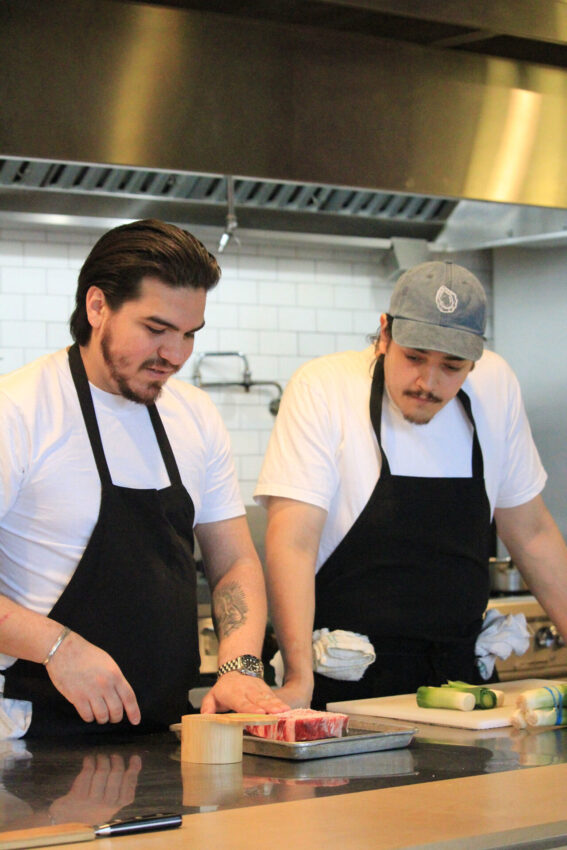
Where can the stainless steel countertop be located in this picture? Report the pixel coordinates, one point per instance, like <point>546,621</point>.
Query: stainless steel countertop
<point>97,778</point>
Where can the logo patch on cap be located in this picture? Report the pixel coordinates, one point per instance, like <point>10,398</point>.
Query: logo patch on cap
<point>446,300</point>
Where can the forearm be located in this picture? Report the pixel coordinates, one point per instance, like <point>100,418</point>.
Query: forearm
<point>25,633</point>
<point>240,610</point>
<point>291,591</point>
<point>236,581</point>
<point>292,541</point>
<point>86,676</point>
<point>540,553</point>
<point>545,569</point>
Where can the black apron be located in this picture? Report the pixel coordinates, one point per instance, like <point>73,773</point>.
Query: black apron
<point>412,574</point>
<point>133,594</point>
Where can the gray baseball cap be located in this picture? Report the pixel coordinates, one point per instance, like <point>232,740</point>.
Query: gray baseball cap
<point>439,306</point>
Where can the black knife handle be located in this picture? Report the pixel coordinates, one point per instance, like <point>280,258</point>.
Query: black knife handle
<point>142,823</point>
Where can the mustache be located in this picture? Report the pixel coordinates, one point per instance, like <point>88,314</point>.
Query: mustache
<point>159,363</point>
<point>423,396</point>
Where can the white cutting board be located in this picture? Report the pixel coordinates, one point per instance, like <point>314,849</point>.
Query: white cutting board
<point>405,707</point>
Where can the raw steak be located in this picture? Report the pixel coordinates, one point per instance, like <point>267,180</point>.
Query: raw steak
<point>302,724</point>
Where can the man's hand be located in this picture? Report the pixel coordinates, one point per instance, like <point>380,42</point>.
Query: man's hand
<point>296,693</point>
<point>92,681</point>
<point>246,694</point>
<point>103,787</point>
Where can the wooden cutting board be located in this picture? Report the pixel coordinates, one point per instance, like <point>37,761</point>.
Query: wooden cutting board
<point>405,707</point>
<point>44,836</point>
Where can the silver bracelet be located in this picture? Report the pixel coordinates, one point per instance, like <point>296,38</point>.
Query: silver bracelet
<point>64,633</point>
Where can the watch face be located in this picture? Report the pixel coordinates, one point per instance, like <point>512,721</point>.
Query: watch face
<point>251,664</point>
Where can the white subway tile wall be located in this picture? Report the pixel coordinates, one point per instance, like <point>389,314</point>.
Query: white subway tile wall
<point>277,304</point>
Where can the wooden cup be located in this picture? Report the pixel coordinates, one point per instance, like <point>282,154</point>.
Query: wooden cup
<point>216,738</point>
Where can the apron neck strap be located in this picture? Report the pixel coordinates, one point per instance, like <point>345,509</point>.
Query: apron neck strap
<point>477,461</point>
<point>376,396</point>
<point>81,382</point>
<point>164,445</point>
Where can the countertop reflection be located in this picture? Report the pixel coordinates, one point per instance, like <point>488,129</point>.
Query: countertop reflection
<point>92,780</point>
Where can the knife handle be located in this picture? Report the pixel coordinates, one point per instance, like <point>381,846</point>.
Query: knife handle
<point>141,823</point>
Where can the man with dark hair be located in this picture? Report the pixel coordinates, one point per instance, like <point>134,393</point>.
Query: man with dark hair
<point>107,469</point>
<point>383,472</point>
<point>125,255</point>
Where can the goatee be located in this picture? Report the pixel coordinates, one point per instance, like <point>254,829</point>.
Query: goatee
<point>153,390</point>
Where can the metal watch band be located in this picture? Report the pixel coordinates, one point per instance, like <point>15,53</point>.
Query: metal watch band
<point>248,665</point>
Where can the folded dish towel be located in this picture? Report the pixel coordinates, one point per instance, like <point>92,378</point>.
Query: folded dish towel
<point>15,715</point>
<point>341,655</point>
<point>337,654</point>
<point>499,637</point>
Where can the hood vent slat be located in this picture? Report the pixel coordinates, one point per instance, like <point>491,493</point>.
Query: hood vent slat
<point>74,179</point>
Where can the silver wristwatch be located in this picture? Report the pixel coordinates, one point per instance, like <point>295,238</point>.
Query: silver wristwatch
<point>248,665</point>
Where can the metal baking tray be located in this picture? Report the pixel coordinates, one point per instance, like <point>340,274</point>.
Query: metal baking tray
<point>387,737</point>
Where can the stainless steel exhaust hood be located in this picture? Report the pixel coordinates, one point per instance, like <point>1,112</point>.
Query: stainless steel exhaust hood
<point>81,189</point>
<point>129,109</point>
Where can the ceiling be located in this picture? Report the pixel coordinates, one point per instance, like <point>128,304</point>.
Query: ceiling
<point>95,189</point>
<point>526,31</point>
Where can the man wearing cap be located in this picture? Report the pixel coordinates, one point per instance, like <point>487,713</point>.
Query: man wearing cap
<point>383,473</point>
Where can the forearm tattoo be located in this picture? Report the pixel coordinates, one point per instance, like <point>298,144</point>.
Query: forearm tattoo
<point>229,609</point>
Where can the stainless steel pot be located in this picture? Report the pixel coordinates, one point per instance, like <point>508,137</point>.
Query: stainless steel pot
<point>505,577</point>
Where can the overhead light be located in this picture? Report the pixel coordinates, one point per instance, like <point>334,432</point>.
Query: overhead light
<point>231,220</point>
<point>224,240</point>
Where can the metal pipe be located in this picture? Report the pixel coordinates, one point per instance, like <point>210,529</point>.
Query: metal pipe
<point>246,381</point>
<point>200,357</point>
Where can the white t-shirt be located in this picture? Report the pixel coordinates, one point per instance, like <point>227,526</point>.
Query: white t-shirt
<point>49,483</point>
<point>323,449</point>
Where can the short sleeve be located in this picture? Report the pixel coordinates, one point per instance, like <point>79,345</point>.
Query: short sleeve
<point>221,498</point>
<point>300,461</point>
<point>12,454</point>
<point>522,476</point>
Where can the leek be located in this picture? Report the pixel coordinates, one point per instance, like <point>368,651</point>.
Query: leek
<point>484,697</point>
<point>541,707</point>
<point>547,697</point>
<point>429,697</point>
<point>518,719</point>
<point>544,717</point>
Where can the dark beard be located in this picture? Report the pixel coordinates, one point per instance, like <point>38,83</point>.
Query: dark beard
<point>153,392</point>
